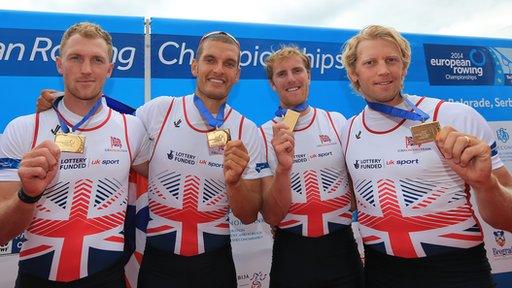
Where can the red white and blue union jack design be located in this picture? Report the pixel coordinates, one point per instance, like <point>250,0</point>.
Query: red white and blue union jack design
<point>189,217</point>
<point>77,230</point>
<point>321,202</point>
<point>403,218</point>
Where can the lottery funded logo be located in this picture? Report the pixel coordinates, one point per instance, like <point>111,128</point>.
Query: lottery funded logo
<point>368,164</point>
<point>181,157</point>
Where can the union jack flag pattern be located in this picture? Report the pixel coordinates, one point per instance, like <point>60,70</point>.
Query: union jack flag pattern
<point>319,202</point>
<point>77,230</point>
<point>319,182</point>
<point>411,203</point>
<point>188,202</point>
<point>187,218</point>
<point>414,218</point>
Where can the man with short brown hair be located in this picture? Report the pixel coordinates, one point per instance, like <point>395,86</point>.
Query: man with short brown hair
<point>64,174</point>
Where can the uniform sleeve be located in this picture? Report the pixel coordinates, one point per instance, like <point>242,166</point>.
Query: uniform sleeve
<point>152,115</point>
<point>253,141</point>
<point>468,120</point>
<point>338,120</point>
<point>139,140</point>
<point>15,142</point>
<point>345,130</point>
<point>268,150</point>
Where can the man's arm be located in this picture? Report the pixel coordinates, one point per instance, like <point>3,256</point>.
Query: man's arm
<point>15,215</point>
<point>243,194</point>
<point>495,199</point>
<point>45,99</point>
<point>470,158</point>
<point>277,195</point>
<point>37,169</point>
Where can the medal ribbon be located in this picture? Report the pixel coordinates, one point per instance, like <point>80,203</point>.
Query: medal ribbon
<point>299,108</point>
<point>215,122</point>
<point>417,114</point>
<point>62,121</point>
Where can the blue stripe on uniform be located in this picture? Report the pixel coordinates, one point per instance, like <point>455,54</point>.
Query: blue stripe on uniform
<point>494,149</point>
<point>9,163</point>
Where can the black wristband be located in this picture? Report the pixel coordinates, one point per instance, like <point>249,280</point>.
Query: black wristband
<point>28,199</point>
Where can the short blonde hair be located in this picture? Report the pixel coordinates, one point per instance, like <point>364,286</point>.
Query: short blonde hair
<point>285,51</point>
<point>373,32</point>
<point>90,31</point>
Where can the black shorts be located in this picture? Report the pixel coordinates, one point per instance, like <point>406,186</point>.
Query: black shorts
<point>465,268</point>
<point>109,278</point>
<point>328,261</point>
<point>162,269</point>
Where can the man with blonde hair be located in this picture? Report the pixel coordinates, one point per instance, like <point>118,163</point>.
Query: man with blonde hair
<point>314,245</point>
<point>64,174</point>
<point>412,160</point>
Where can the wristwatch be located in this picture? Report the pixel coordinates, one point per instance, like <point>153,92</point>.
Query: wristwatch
<point>28,199</point>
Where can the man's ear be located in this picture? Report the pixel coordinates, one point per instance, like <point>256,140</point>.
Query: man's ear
<point>58,63</point>
<point>193,67</point>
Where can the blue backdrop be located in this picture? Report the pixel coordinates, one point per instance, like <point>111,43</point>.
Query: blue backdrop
<point>476,71</point>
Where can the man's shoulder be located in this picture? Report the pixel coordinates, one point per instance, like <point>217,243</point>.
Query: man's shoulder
<point>268,125</point>
<point>157,105</point>
<point>28,120</point>
<point>159,100</point>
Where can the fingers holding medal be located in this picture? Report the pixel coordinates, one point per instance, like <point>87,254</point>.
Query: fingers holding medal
<point>460,147</point>
<point>236,159</point>
<point>283,143</point>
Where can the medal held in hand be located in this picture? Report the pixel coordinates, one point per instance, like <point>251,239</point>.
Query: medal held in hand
<point>69,142</point>
<point>217,140</point>
<point>290,119</point>
<point>425,132</point>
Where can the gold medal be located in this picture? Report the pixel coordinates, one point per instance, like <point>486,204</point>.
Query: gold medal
<point>425,132</point>
<point>217,139</point>
<point>290,119</point>
<point>68,142</point>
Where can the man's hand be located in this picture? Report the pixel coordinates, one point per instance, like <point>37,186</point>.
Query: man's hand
<point>45,99</point>
<point>468,156</point>
<point>236,159</point>
<point>38,168</point>
<point>283,144</point>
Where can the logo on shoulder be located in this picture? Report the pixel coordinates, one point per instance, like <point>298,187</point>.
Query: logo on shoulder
<point>261,166</point>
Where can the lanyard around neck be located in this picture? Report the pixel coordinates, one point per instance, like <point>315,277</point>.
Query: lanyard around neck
<point>417,114</point>
<point>205,113</point>
<point>299,108</point>
<point>75,127</point>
